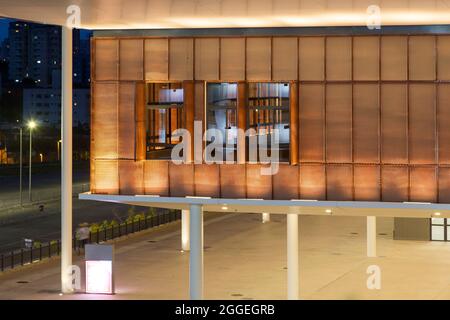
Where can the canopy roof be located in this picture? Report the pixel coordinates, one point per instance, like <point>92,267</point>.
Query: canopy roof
<point>158,14</point>
<point>302,207</point>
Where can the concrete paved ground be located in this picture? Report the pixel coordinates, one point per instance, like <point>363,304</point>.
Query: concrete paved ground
<point>245,259</point>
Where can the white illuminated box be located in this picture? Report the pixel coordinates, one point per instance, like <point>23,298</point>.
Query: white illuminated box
<point>99,277</point>
<point>99,269</point>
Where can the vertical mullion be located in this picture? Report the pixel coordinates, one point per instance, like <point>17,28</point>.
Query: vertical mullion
<point>325,158</point>
<point>407,117</point>
<point>380,124</point>
<point>352,119</point>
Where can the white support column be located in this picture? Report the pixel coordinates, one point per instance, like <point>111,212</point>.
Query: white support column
<point>185,230</point>
<point>371,237</point>
<point>66,165</point>
<point>196,253</point>
<point>292,257</point>
<point>265,217</point>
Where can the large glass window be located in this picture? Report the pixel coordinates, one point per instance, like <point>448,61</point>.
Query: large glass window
<point>221,114</point>
<point>164,114</point>
<point>440,229</point>
<point>268,109</point>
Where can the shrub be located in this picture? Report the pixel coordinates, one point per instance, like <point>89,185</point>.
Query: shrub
<point>37,244</point>
<point>94,228</point>
<point>151,212</point>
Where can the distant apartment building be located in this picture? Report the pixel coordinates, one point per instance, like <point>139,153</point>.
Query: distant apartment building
<point>4,50</point>
<point>81,60</point>
<point>44,106</point>
<point>34,52</point>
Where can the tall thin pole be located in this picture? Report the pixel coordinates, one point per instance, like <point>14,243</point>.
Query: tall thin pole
<point>66,163</point>
<point>371,236</point>
<point>185,241</point>
<point>196,253</point>
<point>29,167</point>
<point>292,257</point>
<point>20,165</point>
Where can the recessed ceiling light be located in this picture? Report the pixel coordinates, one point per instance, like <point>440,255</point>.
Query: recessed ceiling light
<point>437,214</point>
<point>328,211</point>
<point>224,208</point>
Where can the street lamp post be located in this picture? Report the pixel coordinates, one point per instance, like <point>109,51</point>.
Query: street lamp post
<point>58,144</point>
<point>31,126</point>
<point>20,164</point>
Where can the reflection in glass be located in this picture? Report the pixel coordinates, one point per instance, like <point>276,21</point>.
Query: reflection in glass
<point>221,106</point>
<point>163,115</point>
<point>437,221</point>
<point>268,109</point>
<point>437,233</point>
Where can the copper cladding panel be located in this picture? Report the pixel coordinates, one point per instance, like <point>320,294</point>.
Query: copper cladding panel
<point>366,58</point>
<point>106,60</point>
<point>131,177</point>
<point>232,59</point>
<point>311,58</point>
<point>443,57</point>
<point>181,180</point>
<point>394,123</point>
<point>207,180</point>
<point>156,59</point>
<point>423,184</point>
<point>258,186</point>
<point>394,183</point>
<point>286,183</point>
<point>258,59</point>
<point>339,58</point>
<point>422,124</point>
<point>444,185</point>
<point>156,177</point>
<point>394,58</point>
<point>339,123</point>
<point>443,119</point>
<point>340,182</point>
<point>422,64</point>
<point>181,59</point>
<point>207,59</point>
<point>367,183</point>
<point>284,60</point>
<point>104,121</point>
<point>131,66</point>
<point>140,143</point>
<point>365,123</point>
<point>312,182</point>
<point>127,123</point>
<point>232,181</point>
<point>106,177</point>
<point>312,122</point>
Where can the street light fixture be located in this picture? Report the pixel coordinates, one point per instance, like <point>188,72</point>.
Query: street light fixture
<point>31,125</point>
<point>58,146</point>
<point>20,163</point>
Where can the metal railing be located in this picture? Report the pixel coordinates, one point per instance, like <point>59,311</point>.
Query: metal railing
<point>26,256</point>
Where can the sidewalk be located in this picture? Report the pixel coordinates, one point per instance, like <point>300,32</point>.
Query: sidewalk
<point>245,259</point>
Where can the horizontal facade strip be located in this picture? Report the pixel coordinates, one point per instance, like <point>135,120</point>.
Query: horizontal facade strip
<point>281,31</point>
